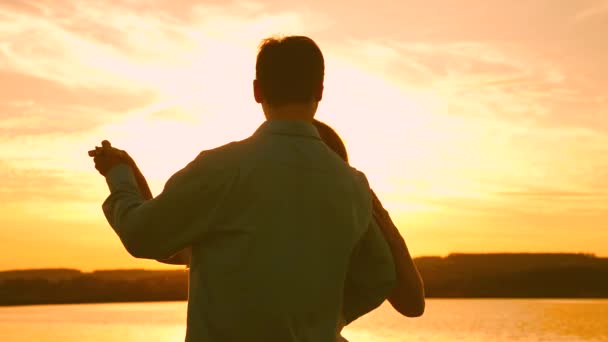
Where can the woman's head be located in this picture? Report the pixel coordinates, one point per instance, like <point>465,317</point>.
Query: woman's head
<point>331,139</point>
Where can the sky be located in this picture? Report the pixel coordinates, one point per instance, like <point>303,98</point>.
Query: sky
<point>481,124</point>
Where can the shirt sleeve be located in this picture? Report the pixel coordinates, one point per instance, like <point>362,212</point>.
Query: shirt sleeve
<point>371,275</point>
<point>180,215</point>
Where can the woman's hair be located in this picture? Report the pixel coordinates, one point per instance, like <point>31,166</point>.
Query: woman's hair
<point>331,139</point>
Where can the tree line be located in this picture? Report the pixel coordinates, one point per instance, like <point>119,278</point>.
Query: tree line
<point>454,276</point>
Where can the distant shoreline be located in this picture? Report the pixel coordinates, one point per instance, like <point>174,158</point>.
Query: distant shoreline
<point>87,303</point>
<point>457,276</point>
<point>430,298</point>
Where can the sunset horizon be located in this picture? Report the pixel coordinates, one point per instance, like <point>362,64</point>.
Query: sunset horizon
<point>151,267</point>
<point>482,126</point>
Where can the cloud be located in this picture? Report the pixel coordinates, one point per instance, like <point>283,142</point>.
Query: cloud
<point>33,106</point>
<point>600,8</point>
<point>500,111</point>
<point>22,6</point>
<point>551,194</point>
<point>519,206</point>
<point>22,185</point>
<point>74,66</point>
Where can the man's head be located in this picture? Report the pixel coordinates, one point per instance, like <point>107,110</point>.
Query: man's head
<point>289,77</point>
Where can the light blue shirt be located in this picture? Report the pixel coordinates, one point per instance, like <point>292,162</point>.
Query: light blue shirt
<point>282,235</point>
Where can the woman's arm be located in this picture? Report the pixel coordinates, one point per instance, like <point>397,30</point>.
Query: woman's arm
<point>408,296</point>
<point>141,180</point>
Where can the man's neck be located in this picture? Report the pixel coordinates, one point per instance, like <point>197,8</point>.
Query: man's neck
<point>296,112</point>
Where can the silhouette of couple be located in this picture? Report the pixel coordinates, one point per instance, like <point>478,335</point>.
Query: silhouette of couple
<point>284,240</point>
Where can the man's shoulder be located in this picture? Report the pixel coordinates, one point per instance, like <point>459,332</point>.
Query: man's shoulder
<point>362,194</point>
<point>360,178</point>
<point>223,155</point>
<point>217,162</point>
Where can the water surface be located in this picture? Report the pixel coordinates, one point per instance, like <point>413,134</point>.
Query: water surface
<point>471,320</point>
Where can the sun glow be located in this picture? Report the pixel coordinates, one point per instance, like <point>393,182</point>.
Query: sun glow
<point>478,135</point>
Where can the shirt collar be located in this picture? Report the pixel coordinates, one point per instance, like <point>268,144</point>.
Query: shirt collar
<point>289,127</point>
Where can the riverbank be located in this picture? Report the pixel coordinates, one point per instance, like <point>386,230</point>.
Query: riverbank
<point>454,276</point>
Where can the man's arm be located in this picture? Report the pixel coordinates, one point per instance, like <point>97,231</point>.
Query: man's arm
<point>180,258</point>
<point>408,296</point>
<point>371,275</point>
<point>160,227</point>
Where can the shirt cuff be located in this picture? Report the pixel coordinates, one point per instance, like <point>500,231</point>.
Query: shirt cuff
<point>119,176</point>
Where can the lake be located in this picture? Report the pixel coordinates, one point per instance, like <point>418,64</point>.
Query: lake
<point>471,320</point>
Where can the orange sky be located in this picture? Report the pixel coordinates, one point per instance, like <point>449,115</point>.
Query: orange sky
<point>482,124</point>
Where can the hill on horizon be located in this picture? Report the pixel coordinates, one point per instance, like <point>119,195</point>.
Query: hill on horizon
<point>523,260</point>
<point>458,275</point>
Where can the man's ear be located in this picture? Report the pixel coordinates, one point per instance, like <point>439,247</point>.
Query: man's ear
<point>319,93</point>
<point>257,92</point>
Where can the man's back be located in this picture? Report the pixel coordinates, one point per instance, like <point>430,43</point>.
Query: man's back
<point>273,266</point>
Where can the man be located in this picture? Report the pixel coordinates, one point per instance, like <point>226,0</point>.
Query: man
<point>281,231</point>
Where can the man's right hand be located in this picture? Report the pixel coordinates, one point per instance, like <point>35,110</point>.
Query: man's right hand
<point>106,157</point>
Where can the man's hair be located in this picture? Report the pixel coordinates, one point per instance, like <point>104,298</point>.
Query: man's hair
<point>289,69</point>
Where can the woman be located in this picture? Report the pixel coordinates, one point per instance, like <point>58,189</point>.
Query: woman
<point>407,296</point>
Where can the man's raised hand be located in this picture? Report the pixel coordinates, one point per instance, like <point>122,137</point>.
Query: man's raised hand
<point>106,157</point>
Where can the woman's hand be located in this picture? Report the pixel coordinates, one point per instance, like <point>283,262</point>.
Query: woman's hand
<point>106,157</point>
